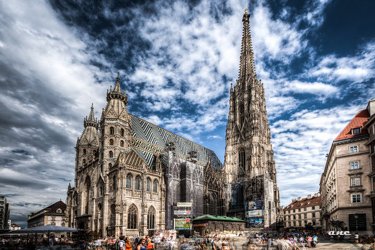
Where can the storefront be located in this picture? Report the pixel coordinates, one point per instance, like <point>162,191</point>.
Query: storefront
<point>206,224</point>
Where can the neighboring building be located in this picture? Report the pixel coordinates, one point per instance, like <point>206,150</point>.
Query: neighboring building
<point>51,215</point>
<point>345,185</point>
<point>130,174</point>
<point>303,213</point>
<point>252,193</point>
<point>4,213</point>
<point>370,126</point>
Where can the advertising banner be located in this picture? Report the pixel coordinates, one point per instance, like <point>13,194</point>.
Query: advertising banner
<point>254,213</point>
<point>182,212</point>
<point>255,221</point>
<point>182,224</point>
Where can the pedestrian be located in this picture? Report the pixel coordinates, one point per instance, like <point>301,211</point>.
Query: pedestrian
<point>141,245</point>
<point>128,245</point>
<point>309,240</point>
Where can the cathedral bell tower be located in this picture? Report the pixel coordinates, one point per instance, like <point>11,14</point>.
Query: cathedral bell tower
<point>87,146</point>
<point>249,165</point>
<point>115,126</point>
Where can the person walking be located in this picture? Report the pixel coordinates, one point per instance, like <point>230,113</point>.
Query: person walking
<point>128,245</point>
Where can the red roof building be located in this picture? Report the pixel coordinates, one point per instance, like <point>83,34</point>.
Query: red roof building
<point>354,127</point>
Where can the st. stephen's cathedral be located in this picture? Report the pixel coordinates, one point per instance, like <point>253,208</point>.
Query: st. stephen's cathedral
<point>130,173</point>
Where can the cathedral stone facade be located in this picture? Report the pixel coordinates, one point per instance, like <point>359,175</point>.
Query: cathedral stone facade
<point>130,174</point>
<point>252,192</point>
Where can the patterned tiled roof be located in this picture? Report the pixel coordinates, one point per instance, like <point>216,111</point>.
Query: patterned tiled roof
<point>357,122</point>
<point>159,137</point>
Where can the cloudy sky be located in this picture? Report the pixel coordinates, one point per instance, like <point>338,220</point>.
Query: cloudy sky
<point>177,60</point>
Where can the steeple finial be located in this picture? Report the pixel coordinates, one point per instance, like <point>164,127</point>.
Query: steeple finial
<point>90,120</point>
<point>247,55</point>
<point>116,93</point>
<point>117,85</point>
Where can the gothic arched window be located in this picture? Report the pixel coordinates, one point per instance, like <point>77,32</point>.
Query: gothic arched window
<point>151,218</point>
<point>122,132</point>
<point>138,183</point>
<point>241,162</point>
<point>112,130</point>
<point>110,154</point>
<point>84,151</point>
<point>121,143</point>
<point>114,180</point>
<point>242,113</point>
<point>155,186</point>
<point>148,186</point>
<point>129,179</point>
<point>110,141</point>
<point>132,217</point>
<point>84,161</point>
<point>109,165</point>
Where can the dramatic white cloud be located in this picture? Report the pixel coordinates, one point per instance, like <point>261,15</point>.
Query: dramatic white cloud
<point>356,68</point>
<point>48,86</point>
<point>301,143</point>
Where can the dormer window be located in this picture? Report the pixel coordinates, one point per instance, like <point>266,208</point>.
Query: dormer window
<point>356,131</point>
<point>59,211</point>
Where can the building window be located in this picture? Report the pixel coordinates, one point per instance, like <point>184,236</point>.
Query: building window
<point>357,222</point>
<point>355,181</point>
<point>110,154</point>
<point>155,186</point>
<point>356,131</point>
<point>313,215</point>
<point>313,208</point>
<point>241,162</point>
<point>84,151</point>
<point>59,211</point>
<point>129,178</point>
<point>114,180</point>
<point>121,143</point>
<point>356,198</point>
<point>138,183</point>
<point>354,165</point>
<point>110,165</point>
<point>122,132</point>
<point>148,186</point>
<point>353,149</point>
<point>112,130</point>
<point>132,217</point>
<point>151,218</point>
<point>84,161</point>
<point>101,190</point>
<point>110,141</point>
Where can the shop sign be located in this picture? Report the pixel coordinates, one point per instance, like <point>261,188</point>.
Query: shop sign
<point>184,204</point>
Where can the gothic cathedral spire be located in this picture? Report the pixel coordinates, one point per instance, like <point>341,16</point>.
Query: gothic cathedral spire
<point>249,165</point>
<point>247,55</point>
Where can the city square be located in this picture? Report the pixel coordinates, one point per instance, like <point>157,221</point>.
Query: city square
<point>187,125</point>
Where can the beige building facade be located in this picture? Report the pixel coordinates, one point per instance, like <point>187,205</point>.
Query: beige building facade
<point>303,213</point>
<point>51,215</point>
<point>345,185</point>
